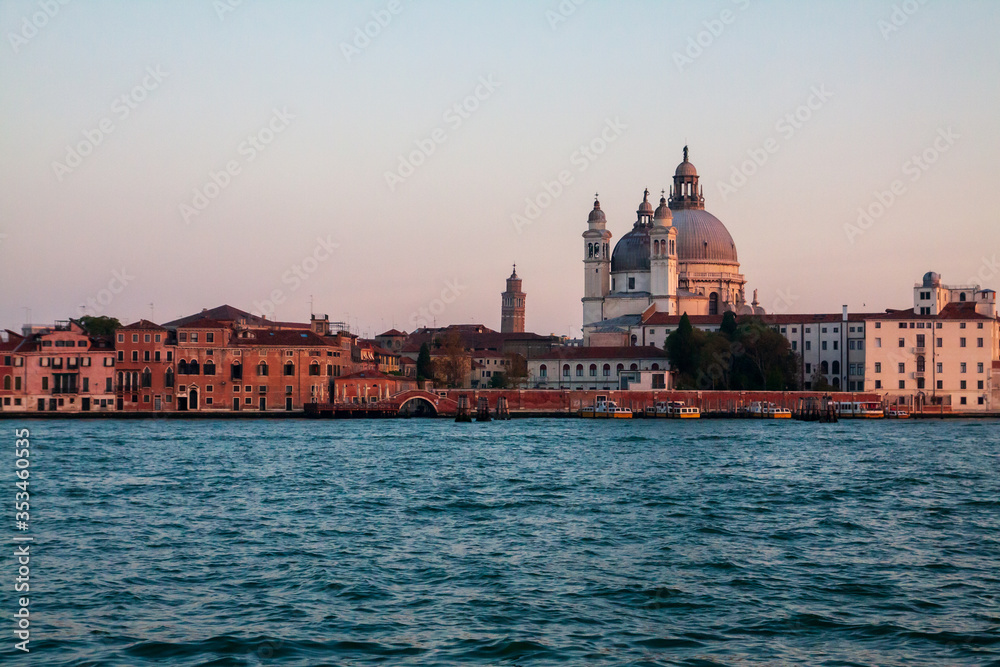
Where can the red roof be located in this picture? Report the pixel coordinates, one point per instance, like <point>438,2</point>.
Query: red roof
<point>143,324</point>
<point>280,337</point>
<point>204,323</point>
<point>390,333</point>
<point>778,318</point>
<point>952,311</point>
<point>633,352</point>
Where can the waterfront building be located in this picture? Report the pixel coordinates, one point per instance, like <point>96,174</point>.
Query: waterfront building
<point>11,378</point>
<point>593,368</point>
<point>145,376</point>
<point>512,305</point>
<point>679,258</point>
<point>942,352</point>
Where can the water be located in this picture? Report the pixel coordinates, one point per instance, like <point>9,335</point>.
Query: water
<point>535,542</point>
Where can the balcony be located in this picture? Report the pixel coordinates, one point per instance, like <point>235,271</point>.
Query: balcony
<point>920,349</point>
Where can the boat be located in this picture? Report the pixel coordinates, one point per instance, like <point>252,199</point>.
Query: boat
<point>765,410</point>
<point>606,410</point>
<point>673,410</point>
<point>896,413</point>
<point>859,410</point>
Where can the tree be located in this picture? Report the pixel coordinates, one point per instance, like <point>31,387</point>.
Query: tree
<point>767,361</point>
<point>682,347</point>
<point>424,368</point>
<point>818,380</point>
<point>99,326</point>
<point>454,364</point>
<point>498,380</point>
<point>517,370</point>
<point>728,327</point>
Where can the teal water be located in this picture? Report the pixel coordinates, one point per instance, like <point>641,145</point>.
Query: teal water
<point>532,542</point>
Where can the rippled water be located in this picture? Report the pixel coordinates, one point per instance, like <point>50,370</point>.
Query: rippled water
<point>527,542</point>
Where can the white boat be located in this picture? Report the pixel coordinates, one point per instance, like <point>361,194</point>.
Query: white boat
<point>859,410</point>
<point>606,410</point>
<point>765,410</point>
<point>674,410</point>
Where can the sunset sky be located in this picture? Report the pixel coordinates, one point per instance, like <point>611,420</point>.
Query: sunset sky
<point>190,154</point>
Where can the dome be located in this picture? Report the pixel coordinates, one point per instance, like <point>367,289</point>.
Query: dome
<point>631,253</point>
<point>645,208</point>
<point>702,237</point>
<point>663,211</point>
<point>685,168</point>
<point>932,279</point>
<point>597,215</point>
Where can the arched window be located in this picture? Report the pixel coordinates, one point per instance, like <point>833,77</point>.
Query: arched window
<point>655,367</point>
<point>262,368</point>
<point>606,370</point>
<point>236,371</point>
<point>193,367</point>
<point>121,380</point>
<point>713,303</point>
<point>147,378</point>
<point>836,368</point>
<point>543,371</point>
<point>961,297</point>
<point>6,383</point>
<point>135,379</point>
<point>579,370</point>
<point>633,367</point>
<point>593,370</point>
<point>824,368</point>
<point>836,382</point>
<point>209,368</point>
<point>289,368</point>
<point>672,247</point>
<point>182,367</point>
<point>921,363</point>
<point>314,368</point>
<point>619,368</point>
<point>168,378</point>
<point>565,370</point>
<point>635,339</point>
<point>656,248</point>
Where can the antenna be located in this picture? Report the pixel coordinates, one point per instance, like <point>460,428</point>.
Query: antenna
<point>312,309</point>
<point>152,312</point>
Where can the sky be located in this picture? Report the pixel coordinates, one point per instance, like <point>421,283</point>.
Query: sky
<point>387,162</point>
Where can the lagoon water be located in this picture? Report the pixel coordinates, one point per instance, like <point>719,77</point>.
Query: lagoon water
<point>531,542</point>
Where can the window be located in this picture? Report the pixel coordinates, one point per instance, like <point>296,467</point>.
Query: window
<point>168,378</point>
<point>170,355</point>
<point>979,342</point>
<point>920,340</point>
<point>145,338</point>
<point>878,384</point>
<point>565,370</point>
<point>861,344</point>
<point>940,384</point>
<point>262,368</point>
<point>210,337</point>
<point>836,368</point>
<point>852,345</point>
<point>147,378</point>
<point>579,370</point>
<point>808,345</point>
<point>209,368</point>
<point>836,344</point>
<point>809,368</point>
<point>963,384</point>
<point>593,370</point>
<point>878,366</point>
<point>631,283</point>
<point>824,368</point>
<point>823,345</point>
<point>939,342</point>
<point>157,338</point>
<point>902,367</point>
<point>902,342</point>
<point>156,355</point>
<point>121,338</point>
<point>902,384</point>
<point>979,325</point>
<point>902,325</point>
<point>289,368</point>
<point>982,401</point>
<point>543,371</point>
<point>236,372</point>
<point>313,369</point>
<point>878,342</point>
<point>980,384</point>
<point>193,367</point>
<point>135,355</point>
<point>145,355</point>
<point>963,366</point>
<point>795,345</point>
<point>823,330</point>
<point>182,367</point>
<point>979,367</point>
<point>194,336</point>
<point>135,338</point>
<point>961,342</point>
<point>920,383</point>
<point>921,363</point>
<point>606,370</point>
<point>878,325</point>
<point>182,337</point>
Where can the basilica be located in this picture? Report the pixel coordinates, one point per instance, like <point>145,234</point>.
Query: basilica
<point>676,259</point>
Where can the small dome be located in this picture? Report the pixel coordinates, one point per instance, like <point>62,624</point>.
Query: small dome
<point>645,208</point>
<point>685,168</point>
<point>631,253</point>
<point>932,279</point>
<point>663,211</point>
<point>597,215</point>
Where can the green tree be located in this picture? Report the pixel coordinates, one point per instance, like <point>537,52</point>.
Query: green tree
<point>498,381</point>
<point>424,369</point>
<point>728,327</point>
<point>99,326</point>
<point>682,349</point>
<point>517,370</point>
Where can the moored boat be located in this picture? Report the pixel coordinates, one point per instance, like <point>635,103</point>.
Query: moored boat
<point>766,410</point>
<point>606,410</point>
<point>859,410</point>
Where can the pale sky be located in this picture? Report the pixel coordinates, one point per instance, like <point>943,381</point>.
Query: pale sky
<point>89,215</point>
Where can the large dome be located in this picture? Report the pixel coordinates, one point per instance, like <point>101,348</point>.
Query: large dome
<point>631,252</point>
<point>701,237</point>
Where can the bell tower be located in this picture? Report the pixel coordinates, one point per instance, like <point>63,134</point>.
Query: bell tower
<point>596,265</point>
<point>512,306</point>
<point>663,259</point>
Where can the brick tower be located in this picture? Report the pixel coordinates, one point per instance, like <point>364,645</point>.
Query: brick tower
<point>512,309</point>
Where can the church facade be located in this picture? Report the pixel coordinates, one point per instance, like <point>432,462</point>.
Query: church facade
<point>676,259</point>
